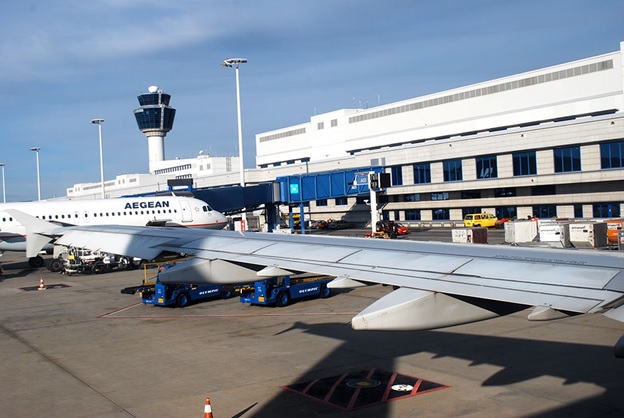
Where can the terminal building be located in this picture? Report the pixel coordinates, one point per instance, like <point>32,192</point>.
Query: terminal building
<point>545,143</point>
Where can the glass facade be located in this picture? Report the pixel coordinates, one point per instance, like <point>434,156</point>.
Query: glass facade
<point>441,214</point>
<point>612,155</point>
<point>412,215</point>
<point>606,210</point>
<point>155,112</point>
<point>467,211</point>
<point>524,163</point>
<point>155,118</point>
<point>545,211</point>
<point>397,176</point>
<point>466,198</point>
<point>487,167</point>
<point>510,212</point>
<point>422,173</point>
<point>567,159</point>
<point>452,170</point>
<point>149,99</point>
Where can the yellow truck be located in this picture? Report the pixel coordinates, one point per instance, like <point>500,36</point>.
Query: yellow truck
<point>484,219</point>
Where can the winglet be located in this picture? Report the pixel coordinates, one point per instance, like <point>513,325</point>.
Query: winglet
<point>38,232</point>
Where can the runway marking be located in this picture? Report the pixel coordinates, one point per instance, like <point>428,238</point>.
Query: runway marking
<point>363,388</point>
<point>118,310</point>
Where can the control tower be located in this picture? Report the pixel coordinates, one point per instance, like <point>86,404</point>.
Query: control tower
<point>155,119</point>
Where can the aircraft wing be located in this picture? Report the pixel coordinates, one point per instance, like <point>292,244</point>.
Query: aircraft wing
<point>436,284</point>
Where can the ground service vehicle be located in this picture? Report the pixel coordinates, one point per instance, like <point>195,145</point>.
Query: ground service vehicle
<point>180,295</point>
<point>387,230</point>
<point>282,290</point>
<point>484,219</point>
<point>83,261</point>
<point>339,224</point>
<point>402,229</point>
<point>153,292</point>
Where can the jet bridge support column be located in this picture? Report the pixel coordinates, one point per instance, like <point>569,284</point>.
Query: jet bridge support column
<point>302,218</point>
<point>372,185</point>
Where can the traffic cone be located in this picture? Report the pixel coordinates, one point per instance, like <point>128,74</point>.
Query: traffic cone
<point>207,409</point>
<point>41,285</point>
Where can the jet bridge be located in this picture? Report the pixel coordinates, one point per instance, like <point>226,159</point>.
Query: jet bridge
<point>294,190</point>
<point>314,186</point>
<point>303,188</point>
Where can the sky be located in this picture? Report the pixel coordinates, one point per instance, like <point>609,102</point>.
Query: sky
<point>65,62</point>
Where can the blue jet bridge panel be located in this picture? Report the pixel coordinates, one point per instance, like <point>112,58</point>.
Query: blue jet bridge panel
<point>315,186</point>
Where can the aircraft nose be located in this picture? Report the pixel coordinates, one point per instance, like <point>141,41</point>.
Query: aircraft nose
<point>220,218</point>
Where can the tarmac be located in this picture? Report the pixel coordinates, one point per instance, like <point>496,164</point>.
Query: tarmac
<point>80,348</point>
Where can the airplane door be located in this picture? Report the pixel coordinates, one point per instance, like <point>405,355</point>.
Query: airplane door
<point>187,215</point>
<point>85,217</point>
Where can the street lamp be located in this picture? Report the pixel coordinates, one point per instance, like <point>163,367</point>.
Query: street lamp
<point>99,122</point>
<point>3,185</point>
<point>36,149</point>
<point>235,62</point>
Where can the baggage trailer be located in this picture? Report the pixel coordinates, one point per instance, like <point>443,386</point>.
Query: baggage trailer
<point>282,290</point>
<point>180,295</point>
<point>154,292</point>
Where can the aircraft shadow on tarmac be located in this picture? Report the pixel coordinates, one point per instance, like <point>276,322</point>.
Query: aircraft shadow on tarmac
<point>521,360</point>
<point>16,269</point>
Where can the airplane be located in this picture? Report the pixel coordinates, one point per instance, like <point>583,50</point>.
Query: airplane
<point>170,211</point>
<point>436,284</point>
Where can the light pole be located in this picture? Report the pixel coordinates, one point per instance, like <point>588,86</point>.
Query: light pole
<point>235,62</point>
<point>99,122</point>
<point>3,185</point>
<point>36,149</point>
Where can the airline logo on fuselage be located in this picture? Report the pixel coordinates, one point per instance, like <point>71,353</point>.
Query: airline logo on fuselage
<point>147,205</point>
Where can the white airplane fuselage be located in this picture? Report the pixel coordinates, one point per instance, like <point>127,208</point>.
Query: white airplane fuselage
<point>170,211</point>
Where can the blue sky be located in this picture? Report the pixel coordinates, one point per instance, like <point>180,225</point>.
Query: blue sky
<point>65,62</point>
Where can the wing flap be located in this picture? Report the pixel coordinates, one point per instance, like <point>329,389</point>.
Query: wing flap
<point>402,260</point>
<point>554,274</point>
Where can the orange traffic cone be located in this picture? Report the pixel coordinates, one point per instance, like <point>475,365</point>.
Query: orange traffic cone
<point>207,409</point>
<point>41,285</point>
